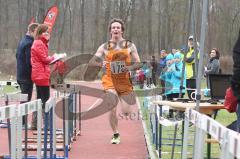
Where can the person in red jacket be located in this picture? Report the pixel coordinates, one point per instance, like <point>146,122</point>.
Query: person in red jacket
<point>40,61</point>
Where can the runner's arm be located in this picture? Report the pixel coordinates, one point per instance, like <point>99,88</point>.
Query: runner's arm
<point>135,58</point>
<point>97,58</point>
<point>136,64</point>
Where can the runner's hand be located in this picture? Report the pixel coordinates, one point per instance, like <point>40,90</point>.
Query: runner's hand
<point>104,64</point>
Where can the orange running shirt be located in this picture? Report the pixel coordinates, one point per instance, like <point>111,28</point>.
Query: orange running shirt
<point>114,78</point>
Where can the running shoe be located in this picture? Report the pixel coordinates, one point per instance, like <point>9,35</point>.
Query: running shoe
<point>115,139</point>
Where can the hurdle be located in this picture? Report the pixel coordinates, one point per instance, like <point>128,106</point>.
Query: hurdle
<point>50,134</point>
<point>15,97</point>
<point>50,115</point>
<point>9,112</point>
<point>16,127</point>
<point>75,98</point>
<point>24,110</point>
<point>69,103</point>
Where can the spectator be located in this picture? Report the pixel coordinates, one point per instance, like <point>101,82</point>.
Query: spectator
<point>24,67</point>
<point>147,68</point>
<point>40,61</point>
<point>190,67</point>
<point>140,78</point>
<point>177,76</point>
<point>166,76</point>
<point>154,70</point>
<point>236,77</point>
<point>213,65</point>
<point>161,67</point>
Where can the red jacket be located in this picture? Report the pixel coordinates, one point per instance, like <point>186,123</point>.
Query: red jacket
<point>40,62</point>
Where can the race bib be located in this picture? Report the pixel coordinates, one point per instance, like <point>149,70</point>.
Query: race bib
<point>116,66</point>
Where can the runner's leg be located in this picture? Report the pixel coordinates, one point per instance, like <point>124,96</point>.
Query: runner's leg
<point>113,115</point>
<point>126,101</point>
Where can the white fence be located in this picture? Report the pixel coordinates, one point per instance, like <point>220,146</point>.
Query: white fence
<point>229,140</point>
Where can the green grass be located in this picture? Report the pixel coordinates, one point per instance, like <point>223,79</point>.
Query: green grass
<point>223,117</point>
<point>7,89</point>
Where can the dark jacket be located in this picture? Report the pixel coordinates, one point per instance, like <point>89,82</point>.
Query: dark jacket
<point>162,64</point>
<point>236,69</point>
<point>23,57</point>
<point>213,66</point>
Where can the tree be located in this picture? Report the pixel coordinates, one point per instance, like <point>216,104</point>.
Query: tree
<point>106,19</point>
<point>97,17</point>
<point>82,3</point>
<point>150,47</point>
<point>41,11</point>
<point>62,27</point>
<point>132,17</point>
<point>6,44</point>
<point>159,26</point>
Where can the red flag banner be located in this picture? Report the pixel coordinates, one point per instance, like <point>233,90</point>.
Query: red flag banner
<point>51,18</point>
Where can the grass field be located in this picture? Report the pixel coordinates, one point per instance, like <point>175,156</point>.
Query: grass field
<point>4,90</point>
<point>223,117</point>
<point>8,89</point>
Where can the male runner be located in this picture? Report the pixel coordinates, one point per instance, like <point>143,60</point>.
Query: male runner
<point>120,57</point>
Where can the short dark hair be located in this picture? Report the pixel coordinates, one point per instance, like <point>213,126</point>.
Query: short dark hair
<point>32,27</point>
<point>116,20</point>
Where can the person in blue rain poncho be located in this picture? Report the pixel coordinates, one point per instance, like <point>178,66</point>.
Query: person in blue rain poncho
<point>177,76</point>
<point>166,76</point>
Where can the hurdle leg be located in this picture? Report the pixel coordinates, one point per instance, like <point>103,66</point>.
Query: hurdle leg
<point>19,137</point>
<point>156,127</point>
<point>64,130</point>
<point>39,128</point>
<point>9,128</point>
<point>54,130</point>
<point>45,133</point>
<point>9,135</point>
<point>25,135</point>
<point>12,152</point>
<point>74,115</point>
<point>174,140</point>
<point>80,118</point>
<point>185,137</point>
<point>70,118</point>
<point>51,133</point>
<point>65,121</point>
<point>160,133</point>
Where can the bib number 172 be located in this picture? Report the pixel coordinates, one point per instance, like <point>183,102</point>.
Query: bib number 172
<point>116,67</point>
